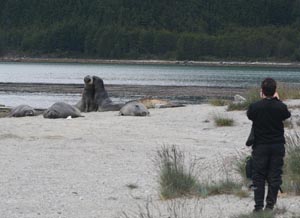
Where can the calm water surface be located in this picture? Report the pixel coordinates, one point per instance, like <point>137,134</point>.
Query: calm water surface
<point>144,74</point>
<point>131,74</point>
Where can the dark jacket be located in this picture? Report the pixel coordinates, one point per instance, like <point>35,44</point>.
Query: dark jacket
<point>267,116</point>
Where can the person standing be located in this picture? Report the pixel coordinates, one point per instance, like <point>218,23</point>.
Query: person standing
<point>267,117</point>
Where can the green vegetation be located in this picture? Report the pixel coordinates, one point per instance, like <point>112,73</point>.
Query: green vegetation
<point>218,102</point>
<point>263,214</point>
<point>171,209</point>
<point>252,95</point>
<point>291,175</point>
<point>122,29</point>
<point>240,168</point>
<point>175,179</point>
<point>285,91</point>
<point>178,179</point>
<point>288,91</point>
<point>223,121</point>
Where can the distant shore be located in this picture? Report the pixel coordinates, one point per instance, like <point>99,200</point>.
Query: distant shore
<point>154,62</point>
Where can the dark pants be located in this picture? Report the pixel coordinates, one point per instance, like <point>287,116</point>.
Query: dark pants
<point>267,167</point>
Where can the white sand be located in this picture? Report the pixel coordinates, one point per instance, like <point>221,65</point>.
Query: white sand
<point>79,168</point>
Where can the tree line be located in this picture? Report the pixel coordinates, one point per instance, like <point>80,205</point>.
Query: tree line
<point>165,29</point>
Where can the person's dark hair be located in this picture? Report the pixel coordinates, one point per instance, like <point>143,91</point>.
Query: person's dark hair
<point>268,87</point>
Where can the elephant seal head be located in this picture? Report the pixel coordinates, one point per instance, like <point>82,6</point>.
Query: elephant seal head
<point>134,108</point>
<point>22,111</point>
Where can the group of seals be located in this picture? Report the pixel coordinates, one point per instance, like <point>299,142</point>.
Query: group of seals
<point>57,110</point>
<point>95,97</point>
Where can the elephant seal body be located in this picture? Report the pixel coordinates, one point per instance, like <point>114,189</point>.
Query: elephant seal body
<point>102,100</point>
<point>158,103</point>
<point>61,110</point>
<point>87,103</point>
<point>134,108</point>
<point>22,111</point>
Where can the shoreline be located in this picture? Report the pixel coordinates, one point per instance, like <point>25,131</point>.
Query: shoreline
<point>154,62</point>
<point>180,94</point>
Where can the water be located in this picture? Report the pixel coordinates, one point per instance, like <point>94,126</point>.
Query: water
<point>42,100</point>
<point>144,74</point>
<point>131,74</point>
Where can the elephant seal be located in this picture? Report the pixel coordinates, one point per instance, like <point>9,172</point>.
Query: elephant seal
<point>87,102</point>
<point>134,108</point>
<point>22,111</point>
<point>61,110</point>
<point>102,100</point>
<point>158,103</point>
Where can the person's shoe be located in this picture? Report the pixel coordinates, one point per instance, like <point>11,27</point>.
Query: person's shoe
<point>257,210</point>
<point>269,208</point>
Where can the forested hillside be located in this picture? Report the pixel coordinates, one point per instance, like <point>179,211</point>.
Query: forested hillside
<point>144,29</point>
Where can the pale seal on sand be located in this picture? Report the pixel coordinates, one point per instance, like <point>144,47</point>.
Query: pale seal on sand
<point>22,111</point>
<point>238,99</point>
<point>158,103</point>
<point>102,100</point>
<point>134,108</point>
<point>87,102</point>
<point>61,110</point>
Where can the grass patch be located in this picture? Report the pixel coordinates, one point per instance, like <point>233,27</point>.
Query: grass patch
<point>284,90</point>
<point>287,91</point>
<point>172,209</point>
<point>291,172</point>
<point>263,214</point>
<point>223,121</point>
<point>221,188</point>
<point>218,102</point>
<point>252,95</point>
<point>240,168</point>
<point>177,179</point>
<point>291,175</point>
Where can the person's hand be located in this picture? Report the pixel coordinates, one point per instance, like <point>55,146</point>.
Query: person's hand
<point>276,95</point>
<point>262,94</point>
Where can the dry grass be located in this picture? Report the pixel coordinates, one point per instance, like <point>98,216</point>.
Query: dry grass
<point>178,178</point>
<point>181,208</point>
<point>221,120</point>
<point>240,168</point>
<point>263,214</point>
<point>252,95</point>
<point>218,102</point>
<point>285,91</point>
<point>291,175</point>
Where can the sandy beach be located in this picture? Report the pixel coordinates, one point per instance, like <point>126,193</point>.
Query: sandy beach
<point>81,168</point>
